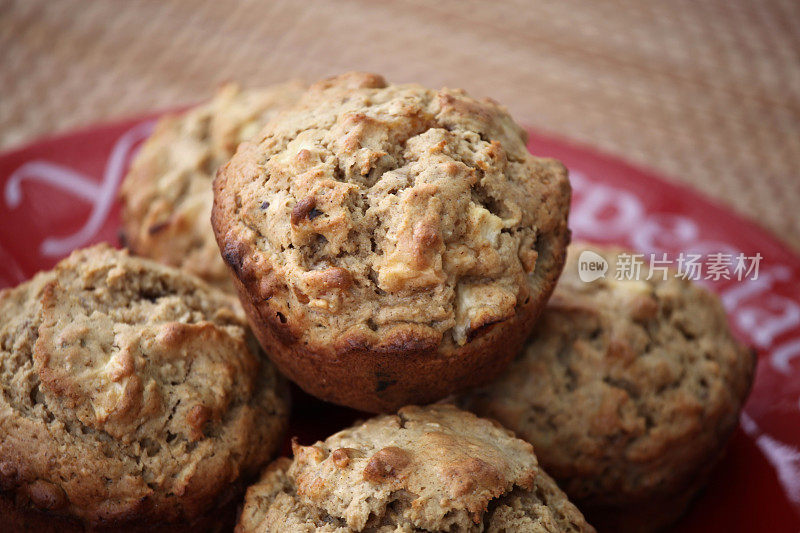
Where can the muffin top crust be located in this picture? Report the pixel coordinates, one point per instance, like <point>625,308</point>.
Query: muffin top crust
<point>433,468</point>
<point>130,392</point>
<point>376,214</point>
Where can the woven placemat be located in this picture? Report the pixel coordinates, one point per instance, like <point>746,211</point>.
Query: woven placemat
<point>706,92</point>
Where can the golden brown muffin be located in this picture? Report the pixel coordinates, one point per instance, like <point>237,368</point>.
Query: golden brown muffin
<point>628,391</point>
<point>391,243</point>
<point>132,396</point>
<point>432,468</point>
<point>166,196</point>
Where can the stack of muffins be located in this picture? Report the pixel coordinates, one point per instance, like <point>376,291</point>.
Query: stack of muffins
<point>391,246</point>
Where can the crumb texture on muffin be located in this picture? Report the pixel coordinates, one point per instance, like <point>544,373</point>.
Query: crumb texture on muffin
<point>432,468</point>
<point>167,196</point>
<point>130,392</point>
<point>628,390</point>
<point>383,215</point>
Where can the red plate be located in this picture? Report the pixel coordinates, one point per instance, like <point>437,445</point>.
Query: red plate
<point>59,194</point>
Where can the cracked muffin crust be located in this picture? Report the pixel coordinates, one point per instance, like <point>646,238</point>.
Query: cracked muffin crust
<point>166,196</point>
<point>131,394</point>
<point>628,390</point>
<point>391,243</point>
<point>433,468</point>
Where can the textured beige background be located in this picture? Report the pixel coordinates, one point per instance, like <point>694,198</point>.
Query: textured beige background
<point>706,91</point>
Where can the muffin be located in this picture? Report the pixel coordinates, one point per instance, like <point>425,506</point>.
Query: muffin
<point>433,468</point>
<point>628,390</point>
<point>132,398</point>
<point>390,243</point>
<point>166,196</point>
